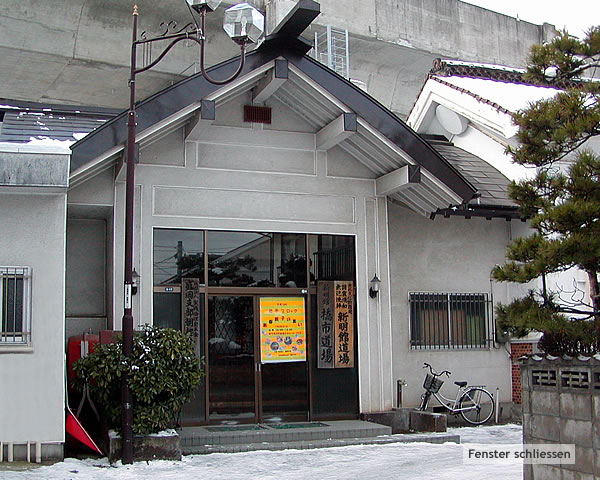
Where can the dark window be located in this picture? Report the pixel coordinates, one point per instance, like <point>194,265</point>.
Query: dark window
<point>253,259</point>
<point>177,254</point>
<point>332,257</point>
<point>448,320</point>
<point>14,321</point>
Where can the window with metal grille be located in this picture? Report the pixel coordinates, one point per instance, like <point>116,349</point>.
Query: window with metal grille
<point>15,286</point>
<point>448,320</point>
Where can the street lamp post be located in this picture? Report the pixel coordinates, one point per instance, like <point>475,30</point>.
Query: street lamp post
<point>244,24</point>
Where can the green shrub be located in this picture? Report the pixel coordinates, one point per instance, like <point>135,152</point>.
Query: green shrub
<point>163,373</point>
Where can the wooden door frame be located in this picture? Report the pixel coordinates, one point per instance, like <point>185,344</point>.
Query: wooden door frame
<point>256,295</point>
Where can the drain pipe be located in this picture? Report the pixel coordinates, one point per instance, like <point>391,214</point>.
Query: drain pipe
<point>497,400</point>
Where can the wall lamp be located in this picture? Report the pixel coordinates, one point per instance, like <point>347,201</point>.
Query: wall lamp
<point>135,277</point>
<point>374,287</point>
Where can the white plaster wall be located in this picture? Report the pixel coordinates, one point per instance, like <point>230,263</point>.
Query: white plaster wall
<point>32,383</point>
<point>262,180</point>
<point>444,255</point>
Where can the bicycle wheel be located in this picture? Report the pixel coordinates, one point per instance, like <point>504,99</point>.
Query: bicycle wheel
<point>476,406</point>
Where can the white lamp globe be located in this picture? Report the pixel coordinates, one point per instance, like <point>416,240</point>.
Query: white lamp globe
<point>243,23</point>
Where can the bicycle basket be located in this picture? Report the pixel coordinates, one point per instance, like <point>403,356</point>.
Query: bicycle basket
<point>432,384</point>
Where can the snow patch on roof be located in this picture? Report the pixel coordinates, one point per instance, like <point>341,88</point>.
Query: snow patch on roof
<point>511,96</point>
<point>51,142</point>
<point>485,65</point>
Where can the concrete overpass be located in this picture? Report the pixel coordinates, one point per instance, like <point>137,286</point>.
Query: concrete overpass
<point>77,51</point>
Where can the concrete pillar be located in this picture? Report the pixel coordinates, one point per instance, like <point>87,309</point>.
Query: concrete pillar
<point>275,12</point>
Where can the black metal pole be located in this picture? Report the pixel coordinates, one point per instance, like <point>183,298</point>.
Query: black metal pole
<point>127,325</point>
<point>126,398</point>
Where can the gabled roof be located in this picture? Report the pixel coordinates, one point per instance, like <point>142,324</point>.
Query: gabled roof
<point>382,141</point>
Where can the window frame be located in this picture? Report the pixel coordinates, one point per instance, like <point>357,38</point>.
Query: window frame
<point>24,337</point>
<point>450,300</point>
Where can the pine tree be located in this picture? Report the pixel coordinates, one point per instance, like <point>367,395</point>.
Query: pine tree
<point>562,201</point>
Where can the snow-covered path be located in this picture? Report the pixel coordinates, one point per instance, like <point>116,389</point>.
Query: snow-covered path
<point>404,461</point>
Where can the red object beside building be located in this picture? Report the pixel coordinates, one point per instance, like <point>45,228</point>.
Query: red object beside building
<point>78,346</point>
<point>517,350</point>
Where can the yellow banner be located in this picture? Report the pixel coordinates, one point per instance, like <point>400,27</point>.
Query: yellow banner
<point>282,329</point>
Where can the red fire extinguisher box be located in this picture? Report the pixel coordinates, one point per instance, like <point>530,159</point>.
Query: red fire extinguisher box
<point>78,346</point>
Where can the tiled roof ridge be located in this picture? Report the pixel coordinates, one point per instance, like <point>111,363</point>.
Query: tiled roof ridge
<point>500,73</point>
<point>552,358</point>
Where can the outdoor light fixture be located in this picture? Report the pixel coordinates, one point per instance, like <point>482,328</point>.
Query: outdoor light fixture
<point>198,5</point>
<point>135,282</point>
<point>374,287</point>
<point>244,24</point>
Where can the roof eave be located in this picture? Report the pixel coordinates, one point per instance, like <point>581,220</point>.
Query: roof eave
<point>193,89</point>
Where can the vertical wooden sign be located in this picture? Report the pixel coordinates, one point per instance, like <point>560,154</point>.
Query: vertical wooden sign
<point>325,311</point>
<point>191,310</point>
<point>344,325</point>
<point>335,304</point>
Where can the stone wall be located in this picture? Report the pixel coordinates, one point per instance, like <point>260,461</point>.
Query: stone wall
<point>561,404</point>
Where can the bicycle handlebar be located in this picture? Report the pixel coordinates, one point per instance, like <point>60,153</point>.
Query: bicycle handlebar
<point>434,373</point>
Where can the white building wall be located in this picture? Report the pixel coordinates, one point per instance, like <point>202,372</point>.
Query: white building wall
<point>32,378</point>
<point>243,178</point>
<point>453,255</point>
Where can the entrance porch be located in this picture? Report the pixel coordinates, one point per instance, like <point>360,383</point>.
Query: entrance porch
<point>302,435</point>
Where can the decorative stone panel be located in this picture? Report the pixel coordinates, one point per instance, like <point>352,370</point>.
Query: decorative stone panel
<point>561,404</point>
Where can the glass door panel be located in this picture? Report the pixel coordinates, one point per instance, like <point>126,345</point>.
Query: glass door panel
<point>284,392</point>
<point>231,363</point>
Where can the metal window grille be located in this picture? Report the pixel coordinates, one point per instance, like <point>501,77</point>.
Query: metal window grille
<point>335,263</point>
<point>15,288</point>
<point>449,320</point>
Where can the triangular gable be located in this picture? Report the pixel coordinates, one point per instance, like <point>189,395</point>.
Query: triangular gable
<point>381,129</point>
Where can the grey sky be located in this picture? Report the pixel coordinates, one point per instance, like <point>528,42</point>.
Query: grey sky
<point>576,15</point>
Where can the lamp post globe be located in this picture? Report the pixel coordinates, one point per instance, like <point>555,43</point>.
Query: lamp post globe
<point>243,23</point>
<point>198,5</point>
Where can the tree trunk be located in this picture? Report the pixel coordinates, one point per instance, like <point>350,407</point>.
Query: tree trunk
<point>595,295</point>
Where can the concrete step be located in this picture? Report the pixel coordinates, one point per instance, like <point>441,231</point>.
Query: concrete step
<point>326,443</point>
<point>207,439</point>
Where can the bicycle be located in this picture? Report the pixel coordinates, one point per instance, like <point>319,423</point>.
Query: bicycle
<point>473,402</point>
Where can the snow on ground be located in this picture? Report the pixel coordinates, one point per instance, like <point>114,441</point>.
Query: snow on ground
<point>405,461</point>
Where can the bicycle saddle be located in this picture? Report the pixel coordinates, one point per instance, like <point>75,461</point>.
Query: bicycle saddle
<point>461,384</point>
